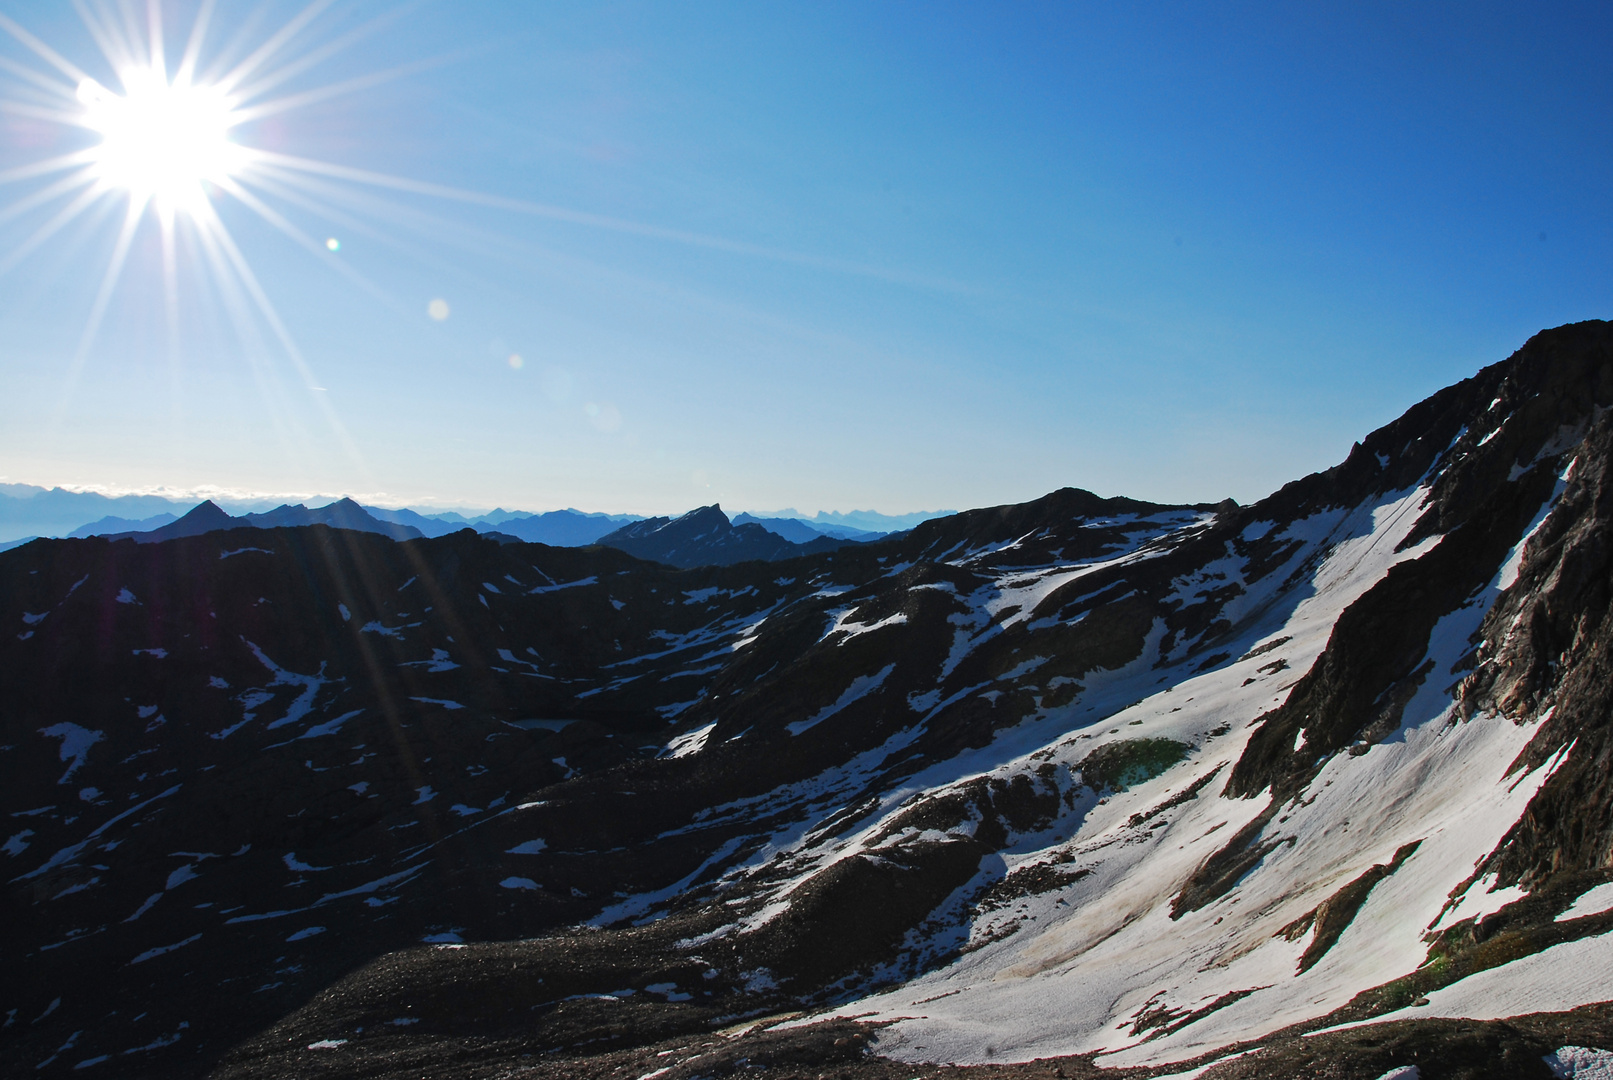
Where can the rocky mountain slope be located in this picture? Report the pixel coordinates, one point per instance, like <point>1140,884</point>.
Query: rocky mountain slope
<point>1074,787</point>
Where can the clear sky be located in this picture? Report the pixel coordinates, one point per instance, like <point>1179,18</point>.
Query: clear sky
<point>878,255</point>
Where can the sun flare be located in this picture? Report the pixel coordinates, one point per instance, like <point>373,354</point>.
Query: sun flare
<point>169,144</point>
<point>161,141</point>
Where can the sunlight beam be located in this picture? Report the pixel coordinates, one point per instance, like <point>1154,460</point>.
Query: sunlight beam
<point>210,220</point>
<point>304,193</point>
<point>193,47</point>
<point>159,59</point>
<point>44,82</point>
<point>273,45</point>
<point>302,239</point>
<point>325,52</point>
<point>43,51</point>
<point>41,112</point>
<point>51,227</point>
<point>290,435</point>
<point>103,298</point>
<point>324,93</point>
<point>170,283</point>
<point>46,194</point>
<point>106,38</point>
<point>46,167</point>
<point>601,221</point>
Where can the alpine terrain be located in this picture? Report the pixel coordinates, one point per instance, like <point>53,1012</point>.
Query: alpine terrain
<point>1321,786</point>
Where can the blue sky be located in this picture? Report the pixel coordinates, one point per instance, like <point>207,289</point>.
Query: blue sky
<point>899,256</point>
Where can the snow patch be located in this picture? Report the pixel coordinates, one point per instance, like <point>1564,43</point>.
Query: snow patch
<point>151,954</point>
<point>243,551</point>
<point>1580,1063</point>
<point>860,687</point>
<point>76,743</point>
<point>443,702</point>
<point>690,742</point>
<point>1557,979</point>
<point>1592,902</point>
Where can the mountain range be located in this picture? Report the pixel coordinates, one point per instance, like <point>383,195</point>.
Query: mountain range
<point>1078,787</point>
<point>702,537</point>
<point>207,517</point>
<point>28,512</point>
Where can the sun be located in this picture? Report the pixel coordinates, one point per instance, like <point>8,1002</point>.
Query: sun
<point>161,141</point>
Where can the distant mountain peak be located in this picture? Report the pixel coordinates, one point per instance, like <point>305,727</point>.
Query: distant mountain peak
<point>705,536</point>
<point>206,510</point>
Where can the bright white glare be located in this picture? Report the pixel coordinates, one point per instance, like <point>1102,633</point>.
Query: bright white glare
<point>161,141</point>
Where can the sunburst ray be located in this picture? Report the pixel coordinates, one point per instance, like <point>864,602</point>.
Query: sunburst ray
<point>43,51</point>
<point>51,227</point>
<point>193,44</point>
<point>318,55</point>
<point>48,193</point>
<point>277,41</point>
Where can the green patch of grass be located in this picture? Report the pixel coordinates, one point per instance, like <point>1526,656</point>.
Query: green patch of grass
<point>1126,763</point>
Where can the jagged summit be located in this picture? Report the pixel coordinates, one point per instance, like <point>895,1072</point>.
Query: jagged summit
<point>1082,783</point>
<point>204,518</point>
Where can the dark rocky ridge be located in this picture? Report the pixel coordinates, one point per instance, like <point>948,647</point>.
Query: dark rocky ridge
<point>480,697</point>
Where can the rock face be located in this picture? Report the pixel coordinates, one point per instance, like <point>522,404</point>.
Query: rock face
<point>1090,779</point>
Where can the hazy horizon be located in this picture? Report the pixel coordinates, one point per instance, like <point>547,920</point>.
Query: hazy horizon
<point>227,498</point>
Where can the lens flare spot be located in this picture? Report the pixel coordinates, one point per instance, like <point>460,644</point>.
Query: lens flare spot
<point>515,361</point>
<point>605,417</point>
<point>333,244</point>
<point>438,309</point>
<point>558,384</point>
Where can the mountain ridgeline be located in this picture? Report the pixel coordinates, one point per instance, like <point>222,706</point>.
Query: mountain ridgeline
<point>1079,786</point>
<point>702,537</point>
